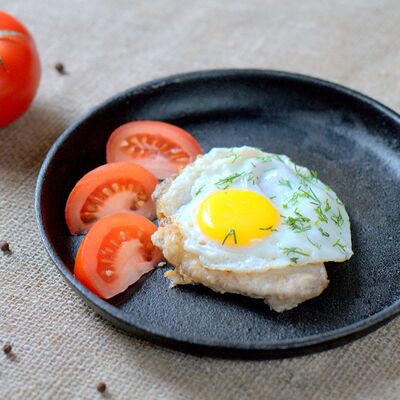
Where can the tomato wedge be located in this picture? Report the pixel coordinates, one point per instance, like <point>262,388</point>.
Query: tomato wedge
<point>160,147</point>
<point>115,253</point>
<point>108,189</point>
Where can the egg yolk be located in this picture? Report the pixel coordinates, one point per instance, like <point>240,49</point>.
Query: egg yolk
<point>237,217</point>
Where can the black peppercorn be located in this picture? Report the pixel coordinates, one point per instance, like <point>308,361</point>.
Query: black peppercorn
<point>7,348</point>
<point>60,68</point>
<point>4,246</point>
<point>101,387</point>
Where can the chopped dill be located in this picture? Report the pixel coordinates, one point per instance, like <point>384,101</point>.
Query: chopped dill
<point>318,246</point>
<point>321,215</point>
<point>233,155</point>
<point>285,182</point>
<point>252,178</point>
<point>272,197</point>
<point>278,157</point>
<point>309,193</point>
<point>304,178</point>
<point>225,183</point>
<point>294,199</point>
<point>337,219</point>
<point>269,228</point>
<point>327,206</point>
<point>294,259</point>
<point>323,233</point>
<point>341,246</point>
<point>231,232</point>
<point>198,191</point>
<point>299,223</point>
<point>339,202</point>
<point>265,159</point>
<point>294,250</point>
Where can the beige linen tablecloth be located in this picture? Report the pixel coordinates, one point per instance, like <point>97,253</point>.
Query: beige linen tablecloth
<point>62,348</point>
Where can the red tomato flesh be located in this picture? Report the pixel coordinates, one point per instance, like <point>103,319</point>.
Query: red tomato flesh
<point>110,189</point>
<point>115,253</point>
<point>161,148</point>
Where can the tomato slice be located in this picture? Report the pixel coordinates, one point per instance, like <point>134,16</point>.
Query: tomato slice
<point>108,189</point>
<point>160,147</point>
<point>115,253</point>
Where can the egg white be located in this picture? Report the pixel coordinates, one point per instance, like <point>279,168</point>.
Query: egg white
<point>293,190</point>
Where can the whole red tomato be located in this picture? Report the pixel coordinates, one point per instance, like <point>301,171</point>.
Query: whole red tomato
<point>19,69</point>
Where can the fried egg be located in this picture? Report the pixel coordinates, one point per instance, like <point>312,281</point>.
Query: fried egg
<point>245,211</point>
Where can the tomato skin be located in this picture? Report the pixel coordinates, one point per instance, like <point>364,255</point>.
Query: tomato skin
<point>19,69</point>
<point>79,271</point>
<point>160,147</point>
<point>127,269</point>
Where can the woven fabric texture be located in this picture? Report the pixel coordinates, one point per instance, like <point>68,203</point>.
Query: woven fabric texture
<point>61,347</point>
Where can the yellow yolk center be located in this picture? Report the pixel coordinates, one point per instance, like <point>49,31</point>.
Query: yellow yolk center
<point>237,217</point>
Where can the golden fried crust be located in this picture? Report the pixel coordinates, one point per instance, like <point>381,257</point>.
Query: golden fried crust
<point>282,288</point>
<point>157,195</point>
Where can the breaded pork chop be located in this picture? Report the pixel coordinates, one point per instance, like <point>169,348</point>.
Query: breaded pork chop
<point>281,288</point>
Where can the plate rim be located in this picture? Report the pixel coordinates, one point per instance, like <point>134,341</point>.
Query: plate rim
<point>279,349</point>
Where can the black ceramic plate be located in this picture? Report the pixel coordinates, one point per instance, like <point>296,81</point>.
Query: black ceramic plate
<point>351,140</point>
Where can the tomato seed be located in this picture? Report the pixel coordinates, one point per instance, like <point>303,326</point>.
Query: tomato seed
<point>107,191</point>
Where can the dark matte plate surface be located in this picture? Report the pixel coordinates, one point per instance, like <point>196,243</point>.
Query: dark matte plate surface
<point>352,141</point>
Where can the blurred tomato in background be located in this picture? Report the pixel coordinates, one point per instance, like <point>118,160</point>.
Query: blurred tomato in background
<point>19,69</point>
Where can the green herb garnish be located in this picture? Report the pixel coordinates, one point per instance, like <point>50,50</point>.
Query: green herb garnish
<point>252,178</point>
<point>225,183</point>
<point>233,155</point>
<point>231,232</point>
<point>327,206</point>
<point>321,215</point>
<point>298,223</point>
<point>265,159</point>
<point>269,228</point>
<point>198,191</point>
<point>294,259</point>
<point>341,246</point>
<point>339,202</point>
<point>305,179</point>
<point>294,250</point>
<point>318,246</point>
<point>326,234</point>
<point>338,219</point>
<point>285,182</point>
<point>309,193</point>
